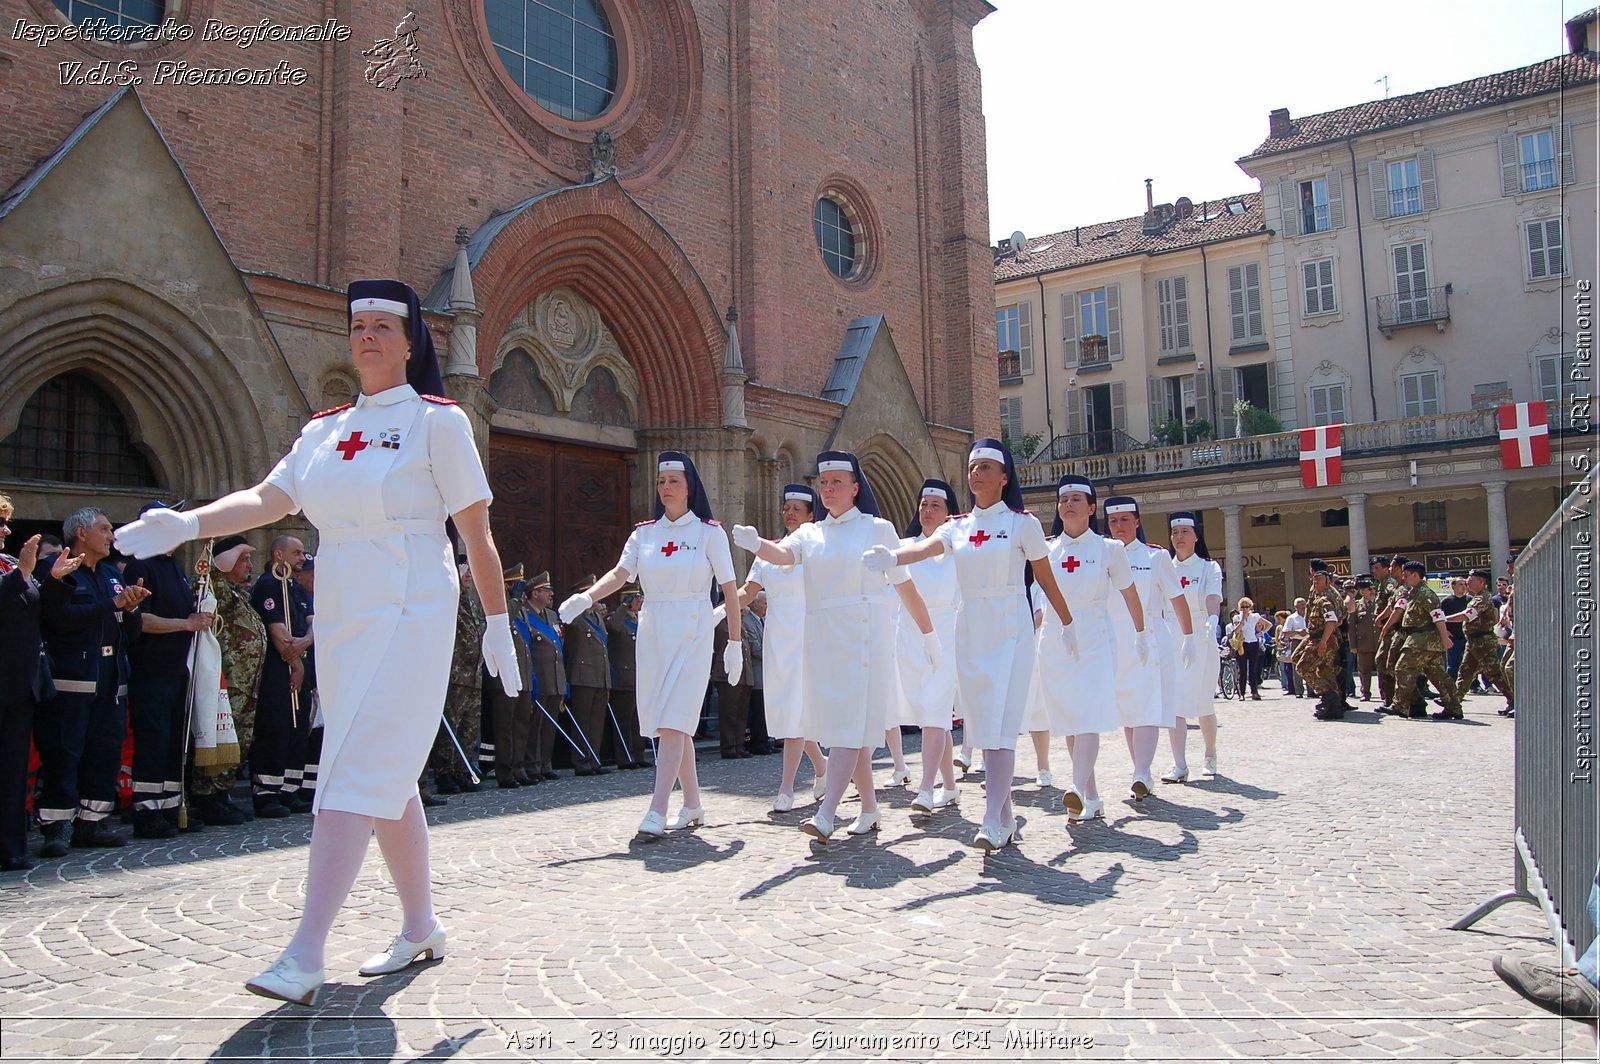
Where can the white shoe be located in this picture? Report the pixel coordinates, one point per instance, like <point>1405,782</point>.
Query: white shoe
<point>403,953</point>
<point>961,762</point>
<point>1141,788</point>
<point>783,803</point>
<point>1072,801</point>
<point>286,981</point>
<point>1094,807</point>
<point>923,802</point>
<point>946,796</point>
<point>654,825</point>
<point>819,827</point>
<point>687,818</point>
<point>864,823</point>
<point>819,787</point>
<point>1211,766</point>
<point>900,776</point>
<point>1176,774</point>
<point>991,838</point>
<point>1046,778</point>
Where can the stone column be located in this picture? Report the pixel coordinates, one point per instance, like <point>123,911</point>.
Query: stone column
<point>1233,547</point>
<point>1499,528</point>
<point>1357,502</point>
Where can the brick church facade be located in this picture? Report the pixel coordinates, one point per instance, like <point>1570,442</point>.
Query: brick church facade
<point>745,229</point>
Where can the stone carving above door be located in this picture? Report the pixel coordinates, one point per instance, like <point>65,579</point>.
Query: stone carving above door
<point>568,343</point>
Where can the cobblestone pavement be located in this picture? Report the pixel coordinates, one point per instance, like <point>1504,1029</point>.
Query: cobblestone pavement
<point>1295,907</point>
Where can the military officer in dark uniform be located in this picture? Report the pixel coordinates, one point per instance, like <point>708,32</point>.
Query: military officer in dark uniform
<point>1482,657</point>
<point>733,699</point>
<point>1425,640</point>
<point>589,672</point>
<point>544,637</point>
<point>622,632</point>
<point>283,710</point>
<point>463,711</point>
<point>514,718</point>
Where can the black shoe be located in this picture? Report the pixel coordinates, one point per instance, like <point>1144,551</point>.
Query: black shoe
<point>296,804</point>
<point>1449,714</point>
<point>431,800</point>
<point>548,776</point>
<point>186,825</point>
<point>15,864</point>
<point>57,838</point>
<point>467,786</point>
<point>508,784</point>
<point>98,836</point>
<point>446,785</point>
<point>269,808</point>
<point>216,810</point>
<point>150,825</point>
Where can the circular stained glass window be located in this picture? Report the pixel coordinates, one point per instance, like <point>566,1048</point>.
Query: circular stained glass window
<point>836,237</point>
<point>562,53</point>
<point>119,20</point>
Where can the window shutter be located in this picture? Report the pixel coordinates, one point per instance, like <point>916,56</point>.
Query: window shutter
<point>1272,387</point>
<point>1180,313</point>
<point>1336,200</point>
<point>1536,261</point>
<point>1289,206</point>
<point>1025,334</point>
<point>1225,392</point>
<point>1236,301</point>
<point>1256,323</point>
<point>1119,407</point>
<point>1158,402</point>
<point>1074,416</point>
<point>1425,176</point>
<point>1378,181</point>
<point>1308,282</point>
<point>1202,400</point>
<point>1561,134</point>
<point>1069,329</point>
<point>1166,341</point>
<point>1554,248</point>
<point>1510,165</point>
<point>1113,322</point>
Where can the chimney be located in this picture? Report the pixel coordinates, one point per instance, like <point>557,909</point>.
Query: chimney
<point>1278,124</point>
<point>1149,194</point>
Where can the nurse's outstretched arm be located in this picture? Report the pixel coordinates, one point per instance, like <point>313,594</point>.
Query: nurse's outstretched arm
<point>472,525</point>
<point>615,579</point>
<point>911,553</point>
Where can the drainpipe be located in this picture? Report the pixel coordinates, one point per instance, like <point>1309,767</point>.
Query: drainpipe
<point>1211,362</point>
<point>1044,353</point>
<point>1361,257</point>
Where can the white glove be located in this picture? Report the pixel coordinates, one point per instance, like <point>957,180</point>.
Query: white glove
<point>719,613</point>
<point>930,648</point>
<point>878,558</point>
<point>1211,627</point>
<point>1186,655</point>
<point>1069,642</point>
<point>1141,646</point>
<point>500,653</point>
<point>745,537</point>
<point>575,607</point>
<point>158,531</point>
<point>733,661</point>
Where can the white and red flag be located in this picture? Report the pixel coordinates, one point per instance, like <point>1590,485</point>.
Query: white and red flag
<point>1524,435</point>
<point>1322,456</point>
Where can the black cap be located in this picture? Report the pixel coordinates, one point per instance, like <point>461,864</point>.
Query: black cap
<point>1482,574</point>
<point>1364,582</point>
<point>309,563</point>
<point>157,504</point>
<point>227,543</point>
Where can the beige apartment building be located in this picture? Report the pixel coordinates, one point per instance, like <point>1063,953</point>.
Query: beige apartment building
<point>1408,265</point>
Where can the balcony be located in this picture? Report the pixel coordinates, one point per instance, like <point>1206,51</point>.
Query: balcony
<point>1093,351</point>
<point>1420,307</point>
<point>1010,367</point>
<point>1082,444</point>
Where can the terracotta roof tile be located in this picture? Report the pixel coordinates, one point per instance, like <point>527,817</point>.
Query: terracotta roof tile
<point>1376,115</point>
<point>1103,241</point>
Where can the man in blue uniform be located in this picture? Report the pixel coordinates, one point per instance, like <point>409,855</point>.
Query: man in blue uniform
<point>283,710</point>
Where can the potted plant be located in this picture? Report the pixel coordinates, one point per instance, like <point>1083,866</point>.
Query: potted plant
<point>1254,421</point>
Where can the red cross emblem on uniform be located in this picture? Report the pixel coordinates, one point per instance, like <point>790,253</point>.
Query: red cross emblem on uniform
<point>670,549</point>
<point>1184,581</point>
<point>351,444</point>
<point>980,539</point>
<point>1072,563</point>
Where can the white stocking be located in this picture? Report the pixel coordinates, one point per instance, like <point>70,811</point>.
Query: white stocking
<point>999,766</point>
<point>404,845</point>
<point>1085,749</point>
<point>1041,749</point>
<point>935,745</point>
<point>1208,732</point>
<point>1143,745</point>
<point>842,764</point>
<point>669,761</point>
<point>1179,736</point>
<point>338,846</point>
<point>897,750</point>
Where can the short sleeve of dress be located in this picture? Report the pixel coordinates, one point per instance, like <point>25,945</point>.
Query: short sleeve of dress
<point>285,478</point>
<point>1117,566</point>
<point>1213,580</point>
<point>630,553</point>
<point>719,554</point>
<point>1030,538</point>
<point>946,534</point>
<point>759,572</point>
<point>889,537</point>
<point>798,541</point>
<point>457,469</point>
<point>1166,575</point>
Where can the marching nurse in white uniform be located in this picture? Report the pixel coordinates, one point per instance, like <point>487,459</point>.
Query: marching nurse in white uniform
<point>1201,581</point>
<point>1147,692</point>
<point>377,478</point>
<point>676,557</point>
<point>782,648</point>
<point>1080,695</point>
<point>928,698</point>
<point>849,642</point>
<point>991,546</point>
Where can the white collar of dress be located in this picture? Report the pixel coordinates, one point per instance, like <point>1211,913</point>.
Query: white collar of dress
<point>989,511</point>
<point>388,397</point>
<point>689,516</point>
<point>1088,533</point>
<point>849,515</point>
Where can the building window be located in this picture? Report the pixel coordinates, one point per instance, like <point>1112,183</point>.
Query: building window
<point>1317,278</point>
<point>1172,309</point>
<point>1419,394</point>
<point>1427,522</point>
<point>1537,154</point>
<point>1314,216</point>
<point>836,237</point>
<point>1411,282</point>
<point>1244,302</point>
<point>1014,334</point>
<point>1556,377</point>
<point>1546,253</point>
<point>130,13</point>
<point>561,52</point>
<point>1094,318</point>
<point>1490,395</point>
<point>1339,518</point>
<point>1180,398</point>
<point>70,430</point>
<point>1405,188</point>
<point>1327,404</point>
<point>1011,420</point>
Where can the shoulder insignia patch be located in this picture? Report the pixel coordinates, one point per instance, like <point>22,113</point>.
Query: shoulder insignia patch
<point>1017,510</point>
<point>333,410</point>
<point>714,523</point>
<point>1156,546</point>
<point>441,400</point>
<point>642,524</point>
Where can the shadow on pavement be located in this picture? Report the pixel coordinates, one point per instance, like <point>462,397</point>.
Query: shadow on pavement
<point>679,851</point>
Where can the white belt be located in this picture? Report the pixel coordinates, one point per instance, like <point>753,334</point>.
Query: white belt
<point>381,530</point>
<point>85,687</point>
<point>993,592</point>
<point>844,600</point>
<point>686,596</point>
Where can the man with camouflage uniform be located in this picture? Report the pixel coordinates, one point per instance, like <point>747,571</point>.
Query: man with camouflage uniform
<point>1362,610</point>
<point>243,637</point>
<point>1387,617</point>
<point>1482,655</point>
<point>1425,639</point>
<point>1317,657</point>
<point>463,709</point>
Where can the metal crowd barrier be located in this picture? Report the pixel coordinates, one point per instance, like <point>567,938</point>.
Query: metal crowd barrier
<point>1555,794</point>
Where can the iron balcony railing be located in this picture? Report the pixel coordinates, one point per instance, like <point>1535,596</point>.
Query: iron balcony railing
<point>1419,307</point>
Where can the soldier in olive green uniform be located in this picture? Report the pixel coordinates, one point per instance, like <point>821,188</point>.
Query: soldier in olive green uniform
<point>1363,614</point>
<point>622,629</point>
<point>244,648</point>
<point>1317,658</point>
<point>549,674</point>
<point>1425,641</point>
<point>1482,656</point>
<point>463,701</point>
<point>1385,573</point>
<point>589,673</point>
